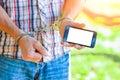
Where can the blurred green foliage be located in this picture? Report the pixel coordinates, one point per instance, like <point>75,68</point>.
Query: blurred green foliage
<point>101,62</point>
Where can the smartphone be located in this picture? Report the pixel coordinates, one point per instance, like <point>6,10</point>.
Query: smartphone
<point>81,37</point>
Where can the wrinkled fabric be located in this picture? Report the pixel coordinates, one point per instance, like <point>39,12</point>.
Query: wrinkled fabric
<point>35,17</point>
<point>12,69</point>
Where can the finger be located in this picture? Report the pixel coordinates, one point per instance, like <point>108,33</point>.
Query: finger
<point>74,24</point>
<point>77,25</point>
<point>34,57</point>
<point>38,47</point>
<point>67,44</point>
<point>37,57</point>
<point>78,47</point>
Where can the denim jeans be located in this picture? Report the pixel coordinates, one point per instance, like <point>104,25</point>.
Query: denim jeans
<point>16,69</point>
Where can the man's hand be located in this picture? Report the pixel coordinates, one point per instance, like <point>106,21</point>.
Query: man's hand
<point>31,49</point>
<point>62,29</point>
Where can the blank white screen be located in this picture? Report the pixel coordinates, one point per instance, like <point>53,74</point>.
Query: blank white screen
<point>80,36</point>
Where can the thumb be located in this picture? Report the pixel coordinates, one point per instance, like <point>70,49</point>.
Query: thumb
<point>40,49</point>
<point>77,25</point>
<point>34,57</point>
<point>72,23</point>
<point>37,58</point>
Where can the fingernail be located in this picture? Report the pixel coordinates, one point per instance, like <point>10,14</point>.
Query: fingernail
<point>46,53</point>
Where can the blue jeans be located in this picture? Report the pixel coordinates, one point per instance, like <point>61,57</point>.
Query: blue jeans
<point>14,69</point>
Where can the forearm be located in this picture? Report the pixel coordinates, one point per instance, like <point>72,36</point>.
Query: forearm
<point>7,25</point>
<point>72,8</point>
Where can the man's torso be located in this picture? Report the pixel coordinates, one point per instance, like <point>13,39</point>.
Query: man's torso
<point>35,17</point>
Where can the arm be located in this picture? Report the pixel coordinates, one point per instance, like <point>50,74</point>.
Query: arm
<point>28,45</point>
<point>7,25</point>
<point>71,9</point>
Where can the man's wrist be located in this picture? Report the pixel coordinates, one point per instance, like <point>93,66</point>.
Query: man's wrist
<point>58,22</point>
<point>20,36</point>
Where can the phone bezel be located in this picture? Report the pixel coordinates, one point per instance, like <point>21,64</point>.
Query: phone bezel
<point>93,38</point>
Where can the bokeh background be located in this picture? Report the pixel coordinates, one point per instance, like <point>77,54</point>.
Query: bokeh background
<point>103,61</point>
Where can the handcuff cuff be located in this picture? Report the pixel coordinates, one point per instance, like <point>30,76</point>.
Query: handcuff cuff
<point>57,23</point>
